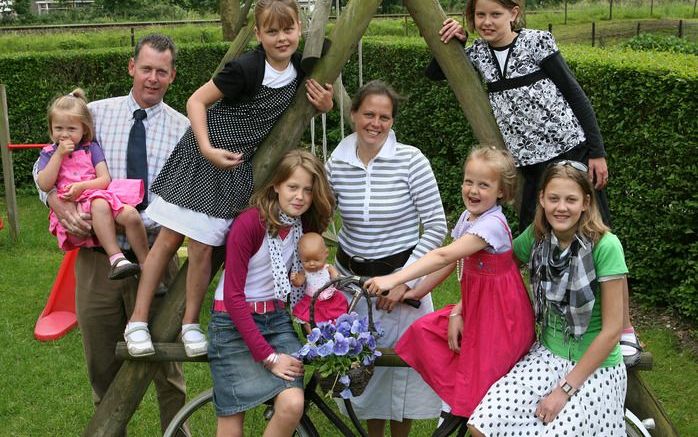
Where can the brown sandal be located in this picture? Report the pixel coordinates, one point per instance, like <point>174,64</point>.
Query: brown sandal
<point>123,271</point>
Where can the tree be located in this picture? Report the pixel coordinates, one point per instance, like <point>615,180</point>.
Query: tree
<point>233,16</point>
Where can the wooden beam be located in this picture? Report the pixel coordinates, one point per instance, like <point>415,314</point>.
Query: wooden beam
<point>461,75</point>
<point>641,401</point>
<point>131,382</point>
<point>7,169</point>
<point>315,35</point>
<point>238,45</point>
<point>288,130</point>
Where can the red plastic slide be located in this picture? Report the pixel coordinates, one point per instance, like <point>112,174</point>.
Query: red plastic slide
<point>58,316</point>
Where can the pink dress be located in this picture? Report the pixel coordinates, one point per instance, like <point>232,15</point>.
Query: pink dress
<point>78,167</point>
<point>498,328</point>
<point>325,310</point>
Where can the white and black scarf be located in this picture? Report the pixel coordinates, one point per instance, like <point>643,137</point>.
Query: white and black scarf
<point>564,280</point>
<point>282,285</point>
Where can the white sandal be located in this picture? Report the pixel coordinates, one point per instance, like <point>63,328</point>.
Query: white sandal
<point>138,348</point>
<point>194,348</point>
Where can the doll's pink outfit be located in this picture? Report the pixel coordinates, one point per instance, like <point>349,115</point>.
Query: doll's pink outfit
<point>78,167</point>
<point>329,305</point>
<point>497,323</point>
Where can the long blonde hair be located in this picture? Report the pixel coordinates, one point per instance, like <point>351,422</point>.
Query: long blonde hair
<point>74,105</point>
<point>590,223</point>
<point>318,216</point>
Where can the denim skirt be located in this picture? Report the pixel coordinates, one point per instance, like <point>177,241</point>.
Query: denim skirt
<point>239,382</point>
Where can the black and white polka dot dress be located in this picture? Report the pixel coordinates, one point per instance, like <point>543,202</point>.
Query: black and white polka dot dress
<point>189,180</point>
<point>596,410</point>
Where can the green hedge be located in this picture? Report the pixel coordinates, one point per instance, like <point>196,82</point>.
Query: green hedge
<point>646,105</point>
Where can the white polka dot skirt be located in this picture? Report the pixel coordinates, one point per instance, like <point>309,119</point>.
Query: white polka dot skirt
<point>508,408</point>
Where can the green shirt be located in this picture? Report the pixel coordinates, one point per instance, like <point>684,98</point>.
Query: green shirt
<point>608,261</point>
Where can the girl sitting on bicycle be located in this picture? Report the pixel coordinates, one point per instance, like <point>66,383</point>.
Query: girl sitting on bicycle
<point>573,380</point>
<point>252,337</point>
<point>473,343</point>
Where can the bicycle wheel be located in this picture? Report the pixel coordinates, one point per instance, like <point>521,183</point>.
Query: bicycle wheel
<point>200,418</point>
<point>634,426</point>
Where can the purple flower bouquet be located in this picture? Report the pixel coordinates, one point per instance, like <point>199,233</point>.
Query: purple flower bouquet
<point>343,353</point>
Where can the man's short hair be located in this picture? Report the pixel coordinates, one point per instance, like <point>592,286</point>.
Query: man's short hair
<point>159,42</point>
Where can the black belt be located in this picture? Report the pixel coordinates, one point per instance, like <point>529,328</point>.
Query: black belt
<point>516,82</point>
<point>129,254</point>
<point>373,267</point>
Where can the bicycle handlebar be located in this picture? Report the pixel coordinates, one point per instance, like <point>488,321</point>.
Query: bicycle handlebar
<point>344,281</point>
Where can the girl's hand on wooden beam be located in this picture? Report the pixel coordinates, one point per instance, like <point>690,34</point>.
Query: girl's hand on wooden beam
<point>452,29</point>
<point>319,96</point>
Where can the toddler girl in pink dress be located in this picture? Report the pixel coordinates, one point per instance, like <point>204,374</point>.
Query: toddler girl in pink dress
<point>316,273</point>
<point>75,166</point>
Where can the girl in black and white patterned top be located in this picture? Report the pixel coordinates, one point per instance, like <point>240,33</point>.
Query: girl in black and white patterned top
<point>207,180</point>
<point>540,108</point>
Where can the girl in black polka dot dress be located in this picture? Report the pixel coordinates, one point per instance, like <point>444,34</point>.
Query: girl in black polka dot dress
<point>207,180</point>
<point>573,381</point>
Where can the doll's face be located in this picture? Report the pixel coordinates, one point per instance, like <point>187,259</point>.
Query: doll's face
<point>313,254</point>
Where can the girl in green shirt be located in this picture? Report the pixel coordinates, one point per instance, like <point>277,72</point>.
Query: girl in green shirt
<point>573,380</point>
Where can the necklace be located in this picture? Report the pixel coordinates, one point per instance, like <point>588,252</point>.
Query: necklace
<point>459,269</point>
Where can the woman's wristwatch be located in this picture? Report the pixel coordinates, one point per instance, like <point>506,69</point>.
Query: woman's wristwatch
<point>567,388</point>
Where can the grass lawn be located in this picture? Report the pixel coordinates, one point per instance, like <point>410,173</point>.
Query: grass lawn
<point>44,386</point>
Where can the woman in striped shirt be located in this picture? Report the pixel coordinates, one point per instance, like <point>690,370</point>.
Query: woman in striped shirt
<point>385,192</point>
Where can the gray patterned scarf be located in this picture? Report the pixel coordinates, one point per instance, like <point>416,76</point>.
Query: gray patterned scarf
<point>564,280</point>
<point>282,285</point>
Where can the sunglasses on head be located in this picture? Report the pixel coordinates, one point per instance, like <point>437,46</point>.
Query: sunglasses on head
<point>574,164</point>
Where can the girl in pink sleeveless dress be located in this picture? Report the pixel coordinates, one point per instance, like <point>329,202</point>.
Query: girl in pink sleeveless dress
<point>75,166</point>
<point>473,343</point>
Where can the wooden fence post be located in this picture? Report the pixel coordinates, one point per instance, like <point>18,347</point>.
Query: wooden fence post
<point>550,27</point>
<point>593,33</point>
<point>610,10</point>
<point>680,28</point>
<point>7,170</point>
<point>637,31</point>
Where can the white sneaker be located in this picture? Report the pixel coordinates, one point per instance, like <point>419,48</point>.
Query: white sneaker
<point>138,342</point>
<point>194,340</point>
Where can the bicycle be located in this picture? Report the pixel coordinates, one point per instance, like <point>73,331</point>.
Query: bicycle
<point>452,425</point>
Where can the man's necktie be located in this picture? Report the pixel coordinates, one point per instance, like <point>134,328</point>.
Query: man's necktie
<point>136,156</point>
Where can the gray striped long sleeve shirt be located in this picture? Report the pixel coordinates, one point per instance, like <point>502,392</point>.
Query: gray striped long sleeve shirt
<point>382,204</point>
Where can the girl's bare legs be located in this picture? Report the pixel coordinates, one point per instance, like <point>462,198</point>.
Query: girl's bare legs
<point>230,426</point>
<point>376,427</point>
<point>166,245</point>
<point>198,278</point>
<point>103,225</point>
<point>133,226</point>
<point>288,409</point>
<point>474,432</point>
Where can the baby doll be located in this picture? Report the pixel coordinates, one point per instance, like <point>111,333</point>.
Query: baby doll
<point>316,273</point>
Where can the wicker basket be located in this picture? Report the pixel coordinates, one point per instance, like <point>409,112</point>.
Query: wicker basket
<point>359,376</point>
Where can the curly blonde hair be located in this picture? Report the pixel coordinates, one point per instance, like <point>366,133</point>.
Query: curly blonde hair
<point>502,162</point>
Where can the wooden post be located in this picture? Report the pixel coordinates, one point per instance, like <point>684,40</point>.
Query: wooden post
<point>132,380</point>
<point>637,31</point>
<point>680,28</point>
<point>550,27</point>
<point>565,11</point>
<point>315,36</point>
<point>593,33</point>
<point>133,37</point>
<point>7,170</point>
<point>651,7</point>
<point>610,10</point>
<point>641,401</point>
<point>341,98</point>
<point>287,132</point>
<point>238,45</point>
<point>460,74</point>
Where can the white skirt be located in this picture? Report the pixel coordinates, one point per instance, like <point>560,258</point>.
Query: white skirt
<point>195,225</point>
<point>508,407</point>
